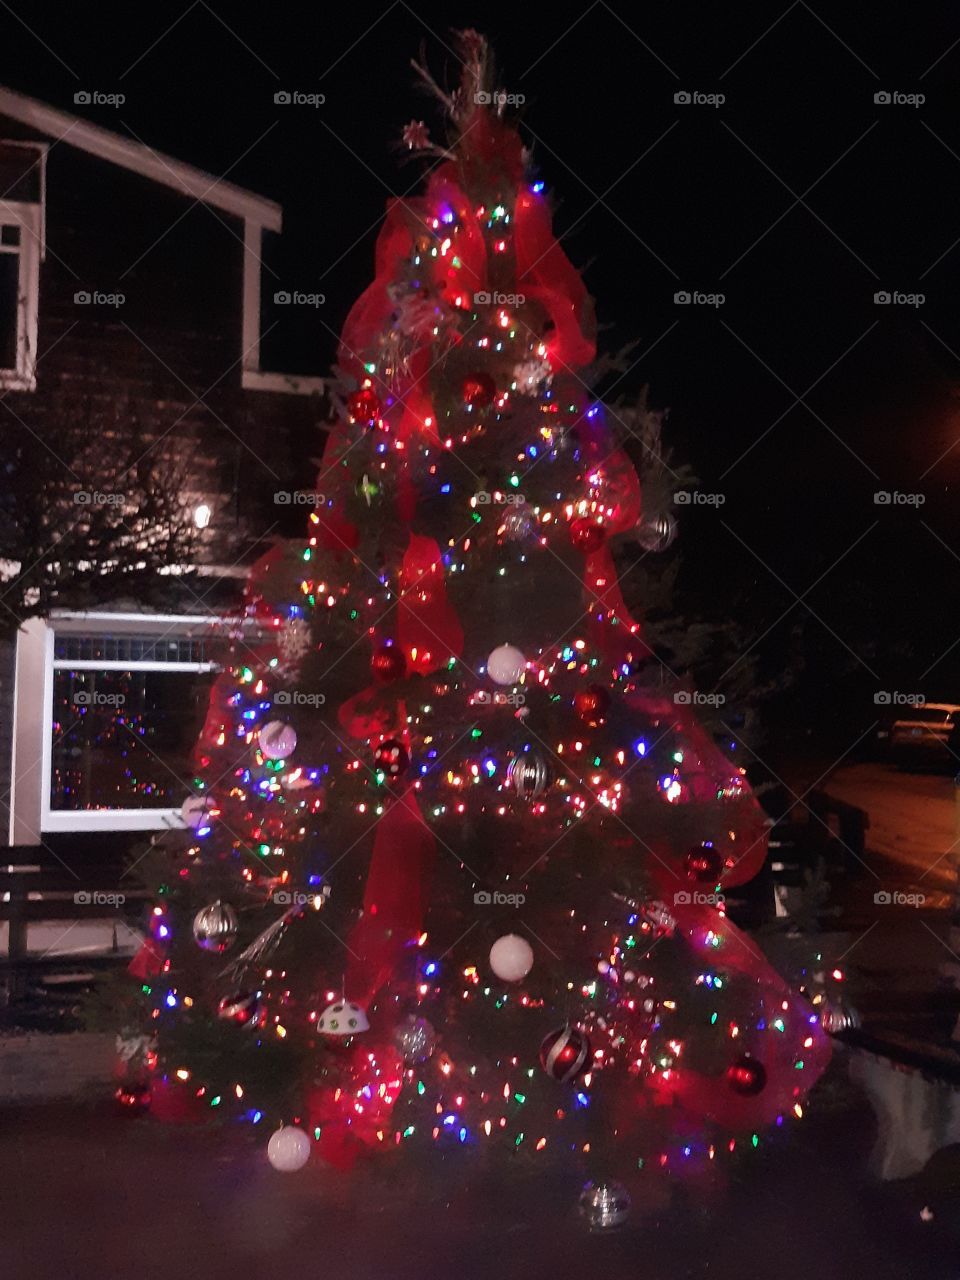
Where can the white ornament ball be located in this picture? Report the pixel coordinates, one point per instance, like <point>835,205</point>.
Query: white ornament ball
<point>506,664</point>
<point>288,1149</point>
<point>195,811</point>
<point>511,957</point>
<point>277,740</point>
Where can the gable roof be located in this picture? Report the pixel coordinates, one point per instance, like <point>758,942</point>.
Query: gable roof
<point>139,158</point>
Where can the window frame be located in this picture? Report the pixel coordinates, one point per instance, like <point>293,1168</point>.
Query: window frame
<point>29,219</point>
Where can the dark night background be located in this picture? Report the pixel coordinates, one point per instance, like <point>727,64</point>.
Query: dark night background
<point>651,197</point>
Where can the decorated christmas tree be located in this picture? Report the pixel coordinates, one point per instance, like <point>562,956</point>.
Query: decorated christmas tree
<point>455,865</point>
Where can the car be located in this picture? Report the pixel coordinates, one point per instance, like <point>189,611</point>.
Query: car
<point>926,735</point>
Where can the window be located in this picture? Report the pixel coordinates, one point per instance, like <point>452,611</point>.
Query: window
<point>108,711</point>
<point>21,251</point>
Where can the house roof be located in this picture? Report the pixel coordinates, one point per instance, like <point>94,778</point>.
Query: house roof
<point>139,158</point>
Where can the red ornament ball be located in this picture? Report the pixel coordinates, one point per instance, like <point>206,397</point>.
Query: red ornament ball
<point>392,757</point>
<point>241,1008</point>
<point>592,704</point>
<point>587,534</point>
<point>389,663</point>
<point>364,406</point>
<point>747,1076</point>
<point>478,390</point>
<point>565,1053</point>
<point>704,863</point>
<point>133,1099</point>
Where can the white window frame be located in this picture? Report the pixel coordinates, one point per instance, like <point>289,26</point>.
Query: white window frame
<point>29,219</point>
<point>31,815</point>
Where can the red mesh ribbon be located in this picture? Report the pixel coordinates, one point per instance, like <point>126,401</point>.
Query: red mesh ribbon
<point>356,1114</point>
<point>768,997</point>
<point>545,273</point>
<point>428,629</point>
<point>394,900</point>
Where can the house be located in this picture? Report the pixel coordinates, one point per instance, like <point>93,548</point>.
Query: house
<point>130,293</point>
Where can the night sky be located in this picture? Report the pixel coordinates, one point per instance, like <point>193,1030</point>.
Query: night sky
<point>798,198</point>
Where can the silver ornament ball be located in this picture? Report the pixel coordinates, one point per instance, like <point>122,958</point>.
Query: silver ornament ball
<point>604,1204</point>
<point>837,1016</point>
<point>657,532</point>
<point>529,775</point>
<point>215,927</point>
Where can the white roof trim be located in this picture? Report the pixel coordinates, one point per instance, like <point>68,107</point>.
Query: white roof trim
<point>140,159</point>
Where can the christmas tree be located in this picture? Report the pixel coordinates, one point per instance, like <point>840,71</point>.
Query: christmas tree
<point>454,868</point>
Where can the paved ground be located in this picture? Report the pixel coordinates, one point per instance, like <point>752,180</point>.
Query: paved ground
<point>913,817</point>
<point>87,1194</point>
